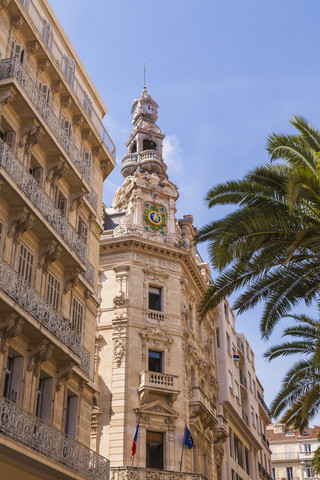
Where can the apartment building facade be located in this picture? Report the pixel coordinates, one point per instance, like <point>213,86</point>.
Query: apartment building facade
<point>54,156</point>
<point>241,403</point>
<point>292,452</point>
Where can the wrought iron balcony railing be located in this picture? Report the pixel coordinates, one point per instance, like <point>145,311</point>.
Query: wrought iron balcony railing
<point>264,404</point>
<point>34,433</point>
<point>59,58</point>
<point>32,189</point>
<point>33,303</point>
<point>140,473</point>
<point>93,199</point>
<point>89,273</point>
<point>13,68</point>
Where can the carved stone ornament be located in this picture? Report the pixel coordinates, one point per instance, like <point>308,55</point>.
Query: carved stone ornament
<point>6,96</point>
<point>96,151</point>
<point>10,326</point>
<point>56,86</point>
<point>65,101</point>
<point>86,134</point>
<point>52,254</point>
<point>23,223</point>
<point>120,300</point>
<point>73,281</point>
<point>56,172</point>
<point>64,373</point>
<point>32,135</point>
<point>32,47</point>
<point>119,341</point>
<point>43,64</point>
<point>4,3</point>
<point>40,353</point>
<point>17,22</point>
<point>77,120</point>
<point>78,200</point>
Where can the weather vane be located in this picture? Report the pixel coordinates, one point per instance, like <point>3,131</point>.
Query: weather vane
<point>144,75</point>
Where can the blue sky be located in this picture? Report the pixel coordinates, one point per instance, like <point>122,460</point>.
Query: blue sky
<point>225,74</point>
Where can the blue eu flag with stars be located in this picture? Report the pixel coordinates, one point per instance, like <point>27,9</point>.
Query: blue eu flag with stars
<point>188,441</point>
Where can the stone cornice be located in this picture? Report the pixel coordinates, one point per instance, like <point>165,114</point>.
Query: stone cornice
<point>131,243</point>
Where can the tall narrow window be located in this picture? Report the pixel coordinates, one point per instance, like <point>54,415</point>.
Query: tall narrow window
<point>44,397</point>
<point>10,139</point>
<point>225,306</point>
<point>53,291</point>
<point>1,233</point>
<point>87,104</point>
<point>77,314</point>
<point>37,174</point>
<point>155,361</point>
<point>13,375</point>
<point>228,343</point>
<point>246,457</point>
<point>87,157</point>
<point>155,298</point>
<point>47,33</point>
<point>82,230</point>
<point>289,473</point>
<point>26,262</point>
<point>66,125</point>
<point>154,444</point>
<point>218,337</point>
<point>60,202</point>
<point>68,68</point>
<point>17,51</point>
<point>44,91</point>
<point>71,415</point>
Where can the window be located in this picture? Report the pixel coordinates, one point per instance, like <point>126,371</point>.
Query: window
<point>193,378</point>
<point>87,157</point>
<point>246,457</point>
<point>71,414</point>
<point>10,139</point>
<point>77,314</point>
<point>231,442</point>
<point>252,417</point>
<point>60,202</point>
<point>44,397</point>
<point>155,298</point>
<point>46,33</point>
<point>154,444</point>
<point>87,104</point>
<point>225,309</point>
<point>190,316</point>
<point>82,230</point>
<point>25,3</point>
<point>258,423</point>
<point>289,473</point>
<point>309,472</point>
<point>44,91</point>
<point>218,337</point>
<point>53,291</point>
<point>68,68</point>
<point>17,51</point>
<point>238,447</point>
<point>13,373</point>
<point>66,125</point>
<point>230,381</point>
<point>228,343</point>
<point>250,380</point>
<point>1,232</point>
<point>155,361</point>
<point>273,474</point>
<point>254,388</point>
<point>307,448</point>
<point>37,174</point>
<point>26,261</point>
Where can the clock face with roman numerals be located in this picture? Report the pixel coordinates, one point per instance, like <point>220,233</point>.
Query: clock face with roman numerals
<point>148,108</point>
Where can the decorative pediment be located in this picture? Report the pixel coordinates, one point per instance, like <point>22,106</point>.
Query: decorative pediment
<point>156,408</point>
<point>156,335</point>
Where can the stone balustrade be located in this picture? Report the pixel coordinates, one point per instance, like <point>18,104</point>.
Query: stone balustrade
<point>155,315</point>
<point>150,155</point>
<point>130,158</point>
<point>140,473</point>
<point>197,396</point>
<point>37,435</point>
<point>158,380</point>
<point>13,68</point>
<point>41,201</point>
<point>33,303</point>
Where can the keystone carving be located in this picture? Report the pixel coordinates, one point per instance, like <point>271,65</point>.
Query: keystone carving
<point>77,201</point>
<point>30,137</point>
<point>32,47</point>
<point>17,22</point>
<point>6,97</point>
<point>43,64</point>
<point>23,223</point>
<point>73,281</point>
<point>77,120</point>
<point>56,172</point>
<point>52,254</point>
<point>63,375</point>
<point>40,353</point>
<point>86,134</point>
<point>10,327</point>
<point>65,101</point>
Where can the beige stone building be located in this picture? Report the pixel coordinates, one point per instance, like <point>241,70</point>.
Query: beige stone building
<point>241,403</point>
<point>292,452</point>
<point>156,359</point>
<point>54,156</point>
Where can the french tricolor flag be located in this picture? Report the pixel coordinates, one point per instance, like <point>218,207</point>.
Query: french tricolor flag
<point>134,443</point>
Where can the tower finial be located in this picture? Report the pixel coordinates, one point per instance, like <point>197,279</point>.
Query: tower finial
<point>144,75</point>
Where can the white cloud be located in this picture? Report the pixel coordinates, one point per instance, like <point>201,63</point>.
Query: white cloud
<point>172,153</point>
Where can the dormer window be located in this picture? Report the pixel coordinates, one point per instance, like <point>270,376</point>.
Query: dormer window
<point>149,145</point>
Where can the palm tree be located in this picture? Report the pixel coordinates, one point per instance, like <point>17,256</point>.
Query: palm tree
<point>299,397</point>
<point>316,459</point>
<point>269,246</point>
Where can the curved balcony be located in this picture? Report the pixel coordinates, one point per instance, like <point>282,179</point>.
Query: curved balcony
<point>12,68</point>
<point>37,435</point>
<point>201,406</point>
<point>129,164</point>
<point>41,201</point>
<point>34,304</point>
<point>151,161</point>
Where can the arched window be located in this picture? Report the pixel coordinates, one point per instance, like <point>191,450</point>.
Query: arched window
<point>149,145</point>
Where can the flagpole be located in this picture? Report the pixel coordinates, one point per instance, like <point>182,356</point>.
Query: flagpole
<point>184,438</point>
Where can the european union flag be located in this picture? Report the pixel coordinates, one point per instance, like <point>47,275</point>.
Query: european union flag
<point>188,441</point>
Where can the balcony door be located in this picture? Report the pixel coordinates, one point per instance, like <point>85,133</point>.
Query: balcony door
<point>154,446</point>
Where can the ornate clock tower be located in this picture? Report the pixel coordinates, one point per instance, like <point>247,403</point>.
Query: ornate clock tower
<point>155,357</point>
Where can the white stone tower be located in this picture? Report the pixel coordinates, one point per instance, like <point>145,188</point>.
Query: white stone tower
<point>155,357</point>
